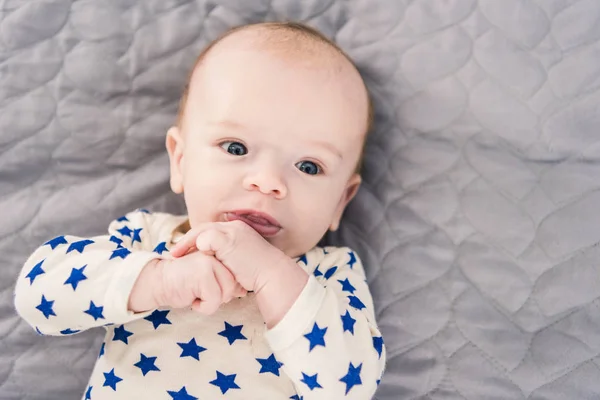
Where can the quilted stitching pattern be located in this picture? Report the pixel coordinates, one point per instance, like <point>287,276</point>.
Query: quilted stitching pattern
<point>478,218</point>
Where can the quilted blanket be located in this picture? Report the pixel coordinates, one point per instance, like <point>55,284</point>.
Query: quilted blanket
<point>478,219</point>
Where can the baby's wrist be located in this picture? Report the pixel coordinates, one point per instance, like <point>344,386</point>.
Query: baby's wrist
<point>146,293</point>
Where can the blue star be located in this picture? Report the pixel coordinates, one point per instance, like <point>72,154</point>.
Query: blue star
<point>121,334</point>
<point>352,378</point>
<point>144,210</point>
<point>79,246</point>
<point>191,349</point>
<point>120,252</point>
<point>76,277</point>
<point>352,259</point>
<point>68,331</point>
<point>146,364</point>
<point>347,286</point>
<point>330,272</point>
<point>95,311</point>
<point>101,350</point>
<point>35,272</point>
<point>46,307</point>
<point>296,397</point>
<point>116,240</point>
<point>182,394</point>
<point>378,344</point>
<point>158,318</point>
<point>225,382</point>
<point>233,333</point>
<point>125,231</point>
<point>316,272</point>
<point>378,382</point>
<point>356,303</point>
<point>162,246</point>
<point>38,331</point>
<point>110,379</point>
<point>316,337</point>
<point>348,322</point>
<point>303,259</point>
<point>122,219</point>
<point>269,365</point>
<point>88,393</point>
<point>136,236</point>
<point>57,241</point>
<point>310,381</point>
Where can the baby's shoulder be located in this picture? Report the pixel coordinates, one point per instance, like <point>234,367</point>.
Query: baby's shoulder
<point>146,224</point>
<point>331,256</point>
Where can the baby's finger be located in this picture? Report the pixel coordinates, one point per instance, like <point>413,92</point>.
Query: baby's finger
<point>188,241</point>
<point>226,281</point>
<point>204,307</point>
<point>210,241</point>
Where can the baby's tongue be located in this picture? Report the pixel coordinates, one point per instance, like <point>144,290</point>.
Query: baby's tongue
<point>256,219</point>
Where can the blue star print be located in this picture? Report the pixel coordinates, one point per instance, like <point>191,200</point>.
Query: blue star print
<point>296,397</point>
<point>95,311</point>
<point>191,349</point>
<point>310,381</point>
<point>144,211</point>
<point>68,331</point>
<point>38,331</point>
<point>88,393</point>
<point>303,259</point>
<point>225,382</point>
<point>121,252</point>
<point>121,334</point>
<point>348,322</point>
<point>46,307</point>
<point>378,344</point>
<point>136,236</point>
<point>352,259</point>
<point>111,380</point>
<point>182,394</point>
<point>269,365</point>
<point>356,303</point>
<point>160,248</point>
<point>146,364</point>
<point>352,378</point>
<point>316,337</point>
<point>35,272</point>
<point>158,318</point>
<point>316,272</point>
<point>330,272</point>
<point>347,286</point>
<point>123,219</point>
<point>116,240</point>
<point>233,333</point>
<point>125,231</point>
<point>101,350</point>
<point>76,277</point>
<point>79,246</point>
<point>57,241</point>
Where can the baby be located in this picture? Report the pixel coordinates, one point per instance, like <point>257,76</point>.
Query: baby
<point>234,300</point>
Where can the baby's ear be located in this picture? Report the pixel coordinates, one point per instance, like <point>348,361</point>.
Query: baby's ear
<point>349,193</point>
<point>174,143</point>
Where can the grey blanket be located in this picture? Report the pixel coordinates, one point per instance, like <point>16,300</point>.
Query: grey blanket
<point>478,219</point>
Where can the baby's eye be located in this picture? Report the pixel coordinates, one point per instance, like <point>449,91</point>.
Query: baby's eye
<point>235,148</point>
<point>309,167</point>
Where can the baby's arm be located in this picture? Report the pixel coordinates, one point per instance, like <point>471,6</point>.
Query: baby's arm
<point>71,284</point>
<point>328,342</point>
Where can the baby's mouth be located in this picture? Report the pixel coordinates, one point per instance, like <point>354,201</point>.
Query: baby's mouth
<point>260,223</point>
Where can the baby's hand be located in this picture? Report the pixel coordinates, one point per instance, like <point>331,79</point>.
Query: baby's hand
<point>195,280</point>
<point>240,248</point>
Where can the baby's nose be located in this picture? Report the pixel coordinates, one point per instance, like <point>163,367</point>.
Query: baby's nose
<point>267,182</point>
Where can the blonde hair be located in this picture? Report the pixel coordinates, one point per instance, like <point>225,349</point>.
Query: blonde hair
<point>295,29</point>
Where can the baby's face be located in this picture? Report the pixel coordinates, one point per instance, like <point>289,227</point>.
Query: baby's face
<point>262,134</point>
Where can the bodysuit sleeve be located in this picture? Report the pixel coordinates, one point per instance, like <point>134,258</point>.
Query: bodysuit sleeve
<point>70,284</point>
<point>329,343</point>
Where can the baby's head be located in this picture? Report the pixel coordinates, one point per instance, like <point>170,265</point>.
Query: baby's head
<point>273,120</point>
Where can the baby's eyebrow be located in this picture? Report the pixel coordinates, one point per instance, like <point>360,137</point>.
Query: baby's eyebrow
<point>329,147</point>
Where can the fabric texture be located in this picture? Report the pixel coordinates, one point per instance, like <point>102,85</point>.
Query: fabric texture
<point>477,219</point>
<point>326,346</point>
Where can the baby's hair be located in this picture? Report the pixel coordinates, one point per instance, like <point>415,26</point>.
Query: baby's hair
<point>290,31</point>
